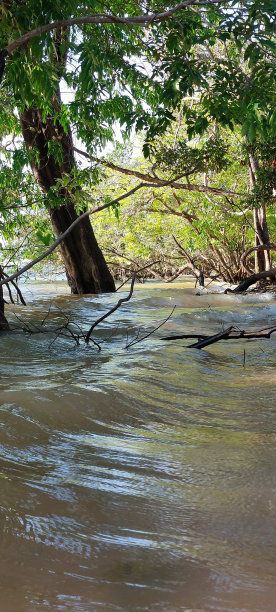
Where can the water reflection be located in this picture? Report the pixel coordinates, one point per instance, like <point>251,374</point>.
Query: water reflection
<point>139,480</point>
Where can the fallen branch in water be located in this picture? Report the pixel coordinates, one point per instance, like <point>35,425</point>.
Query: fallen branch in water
<point>109,312</point>
<point>212,339</point>
<point>251,280</point>
<point>231,333</point>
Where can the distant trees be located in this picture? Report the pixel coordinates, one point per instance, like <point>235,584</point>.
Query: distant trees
<point>234,80</point>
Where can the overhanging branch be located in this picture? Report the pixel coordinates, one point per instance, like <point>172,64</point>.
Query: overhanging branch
<point>160,182</point>
<point>61,237</point>
<point>139,20</point>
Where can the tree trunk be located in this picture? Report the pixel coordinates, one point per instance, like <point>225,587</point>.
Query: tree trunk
<point>85,266</point>
<point>262,258</point>
<point>4,326</point>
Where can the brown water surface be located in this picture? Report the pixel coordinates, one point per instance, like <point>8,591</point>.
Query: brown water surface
<point>140,479</point>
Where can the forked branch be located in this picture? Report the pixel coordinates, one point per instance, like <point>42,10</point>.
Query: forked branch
<point>107,314</point>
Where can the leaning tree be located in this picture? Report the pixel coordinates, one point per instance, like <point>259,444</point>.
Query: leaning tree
<point>46,45</point>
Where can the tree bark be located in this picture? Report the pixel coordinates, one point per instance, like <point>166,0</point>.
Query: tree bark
<point>4,326</point>
<point>251,280</point>
<point>262,258</point>
<point>85,266</point>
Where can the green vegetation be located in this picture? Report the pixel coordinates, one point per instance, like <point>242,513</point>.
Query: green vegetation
<point>196,83</point>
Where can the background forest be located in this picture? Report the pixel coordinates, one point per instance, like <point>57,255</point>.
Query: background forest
<point>183,97</point>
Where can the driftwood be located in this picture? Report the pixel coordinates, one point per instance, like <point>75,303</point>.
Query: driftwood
<point>211,339</point>
<point>231,333</point>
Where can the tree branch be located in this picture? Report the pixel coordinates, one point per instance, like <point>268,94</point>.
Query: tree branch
<point>137,339</point>
<point>228,334</point>
<point>251,280</point>
<point>260,247</point>
<point>61,237</point>
<point>160,182</point>
<point>139,20</point>
<point>119,303</point>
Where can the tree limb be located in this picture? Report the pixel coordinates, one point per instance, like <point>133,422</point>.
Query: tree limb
<point>251,280</point>
<point>211,339</point>
<point>140,20</point>
<point>229,334</point>
<point>107,314</point>
<point>160,182</point>
<point>61,237</point>
<point>260,247</point>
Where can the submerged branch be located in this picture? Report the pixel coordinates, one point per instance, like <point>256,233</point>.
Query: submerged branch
<point>137,339</point>
<point>231,333</point>
<point>107,314</point>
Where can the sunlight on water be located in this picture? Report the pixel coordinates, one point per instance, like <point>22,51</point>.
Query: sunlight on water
<point>139,479</point>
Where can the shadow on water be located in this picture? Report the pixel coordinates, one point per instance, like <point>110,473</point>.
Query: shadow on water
<point>140,479</point>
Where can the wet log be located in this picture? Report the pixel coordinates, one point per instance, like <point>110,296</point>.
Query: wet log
<point>211,339</point>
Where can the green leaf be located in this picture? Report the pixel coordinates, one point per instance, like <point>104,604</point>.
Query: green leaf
<point>252,132</point>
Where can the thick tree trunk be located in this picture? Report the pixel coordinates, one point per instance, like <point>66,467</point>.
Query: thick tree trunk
<point>262,258</point>
<point>85,266</point>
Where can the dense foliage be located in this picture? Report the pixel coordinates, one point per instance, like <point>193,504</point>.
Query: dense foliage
<point>208,71</point>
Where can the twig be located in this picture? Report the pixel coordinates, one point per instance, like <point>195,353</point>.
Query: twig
<point>107,314</point>
<point>151,332</point>
<point>136,272</point>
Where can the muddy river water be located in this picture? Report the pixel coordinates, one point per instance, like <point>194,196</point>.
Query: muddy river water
<point>139,479</point>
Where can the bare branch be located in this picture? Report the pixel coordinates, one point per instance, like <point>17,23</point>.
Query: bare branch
<point>231,333</point>
<point>107,314</point>
<point>140,270</point>
<point>157,182</point>
<point>196,271</point>
<point>136,340</point>
<point>260,247</point>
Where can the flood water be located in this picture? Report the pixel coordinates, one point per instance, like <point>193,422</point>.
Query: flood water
<point>139,479</point>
